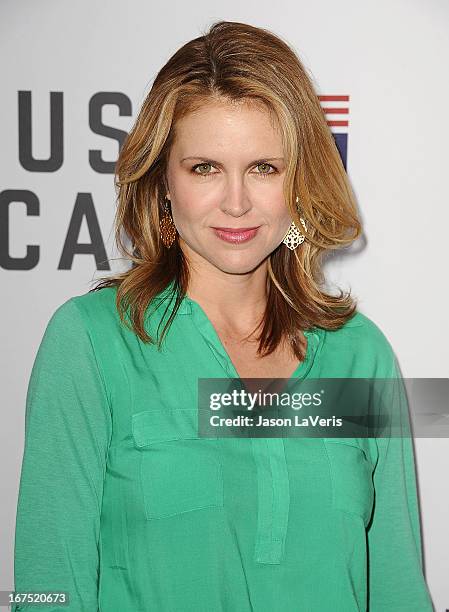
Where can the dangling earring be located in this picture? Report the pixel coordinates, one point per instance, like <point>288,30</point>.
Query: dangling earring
<point>167,227</point>
<point>293,237</point>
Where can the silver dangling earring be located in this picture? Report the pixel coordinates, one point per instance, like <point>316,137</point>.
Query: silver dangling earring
<point>293,237</point>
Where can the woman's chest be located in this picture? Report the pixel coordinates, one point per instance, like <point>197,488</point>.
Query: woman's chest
<point>281,363</point>
<point>163,474</point>
<point>168,469</point>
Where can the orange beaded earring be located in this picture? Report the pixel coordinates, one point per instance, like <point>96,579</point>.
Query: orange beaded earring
<point>167,226</point>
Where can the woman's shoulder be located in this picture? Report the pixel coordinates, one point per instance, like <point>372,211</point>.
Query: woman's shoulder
<point>74,330</point>
<point>97,301</point>
<point>94,309</point>
<point>362,327</point>
<point>362,341</point>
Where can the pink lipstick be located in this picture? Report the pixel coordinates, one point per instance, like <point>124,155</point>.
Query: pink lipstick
<point>236,235</point>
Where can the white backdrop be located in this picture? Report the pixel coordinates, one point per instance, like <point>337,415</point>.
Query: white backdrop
<point>390,58</point>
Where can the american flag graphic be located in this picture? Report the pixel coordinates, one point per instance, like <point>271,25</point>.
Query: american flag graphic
<point>336,110</point>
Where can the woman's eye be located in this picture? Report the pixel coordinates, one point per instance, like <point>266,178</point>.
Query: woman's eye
<point>201,167</point>
<point>265,168</point>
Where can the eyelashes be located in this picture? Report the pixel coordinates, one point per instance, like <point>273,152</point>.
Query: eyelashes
<point>207,174</point>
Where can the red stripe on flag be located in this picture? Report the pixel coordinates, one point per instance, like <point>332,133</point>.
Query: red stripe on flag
<point>336,111</point>
<point>338,123</point>
<point>334,98</point>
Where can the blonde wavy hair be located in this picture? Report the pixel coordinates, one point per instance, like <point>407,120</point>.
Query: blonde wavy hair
<point>236,62</point>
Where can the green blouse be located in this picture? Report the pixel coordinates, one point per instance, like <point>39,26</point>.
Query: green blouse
<point>127,509</point>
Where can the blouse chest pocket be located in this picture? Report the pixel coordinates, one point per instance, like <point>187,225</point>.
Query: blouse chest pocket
<point>351,474</point>
<point>179,471</point>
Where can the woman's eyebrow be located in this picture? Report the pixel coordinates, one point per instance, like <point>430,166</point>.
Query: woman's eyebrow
<point>217,163</point>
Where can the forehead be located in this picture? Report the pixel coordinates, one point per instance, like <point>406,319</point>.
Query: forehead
<point>222,124</point>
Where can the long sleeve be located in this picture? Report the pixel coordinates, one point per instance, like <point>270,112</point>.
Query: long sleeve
<point>67,432</point>
<point>396,580</point>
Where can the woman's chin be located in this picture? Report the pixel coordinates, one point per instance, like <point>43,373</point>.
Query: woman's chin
<point>238,263</point>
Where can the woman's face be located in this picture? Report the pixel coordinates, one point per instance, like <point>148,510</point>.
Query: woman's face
<point>226,170</point>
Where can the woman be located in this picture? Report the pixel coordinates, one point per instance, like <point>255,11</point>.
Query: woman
<point>230,190</point>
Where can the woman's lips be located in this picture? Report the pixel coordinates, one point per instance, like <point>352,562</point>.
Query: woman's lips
<point>236,236</point>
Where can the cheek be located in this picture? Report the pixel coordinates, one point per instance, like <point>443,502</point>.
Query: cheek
<point>189,214</point>
<point>276,212</point>
<point>279,220</point>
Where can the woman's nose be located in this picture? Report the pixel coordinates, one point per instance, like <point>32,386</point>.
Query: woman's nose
<point>235,200</point>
